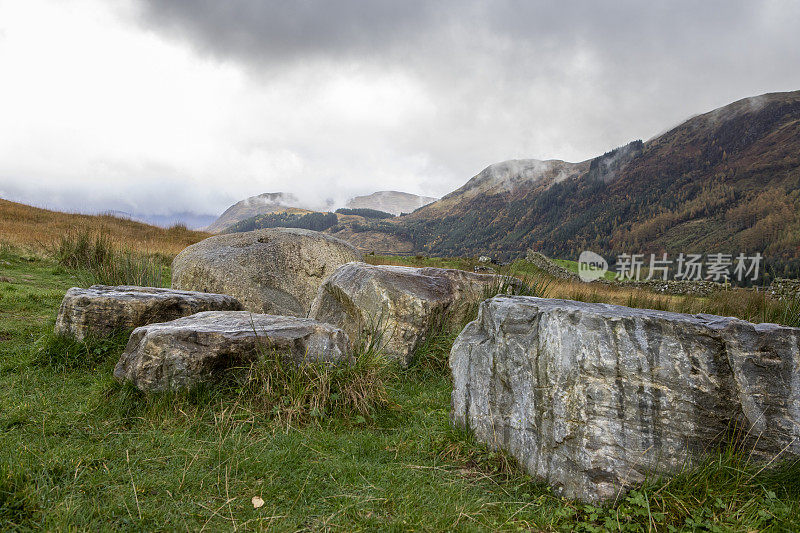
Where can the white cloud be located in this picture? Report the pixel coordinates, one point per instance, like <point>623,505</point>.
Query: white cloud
<point>163,107</point>
<point>102,115</point>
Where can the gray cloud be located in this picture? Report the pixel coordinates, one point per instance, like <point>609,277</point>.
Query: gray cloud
<point>273,32</point>
<point>584,75</point>
<point>348,97</point>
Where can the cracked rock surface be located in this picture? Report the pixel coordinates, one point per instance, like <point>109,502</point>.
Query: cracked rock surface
<point>195,349</point>
<point>101,310</point>
<point>593,398</point>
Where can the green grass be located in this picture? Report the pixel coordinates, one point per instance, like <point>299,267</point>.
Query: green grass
<point>81,452</point>
<point>517,267</point>
<point>572,266</point>
<point>277,388</point>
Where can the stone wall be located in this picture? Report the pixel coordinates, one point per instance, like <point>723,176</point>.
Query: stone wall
<point>782,288</point>
<point>541,261</point>
<point>699,288</point>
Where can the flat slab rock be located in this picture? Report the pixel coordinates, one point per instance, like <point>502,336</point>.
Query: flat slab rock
<point>594,397</point>
<point>102,310</point>
<point>405,303</point>
<point>191,350</point>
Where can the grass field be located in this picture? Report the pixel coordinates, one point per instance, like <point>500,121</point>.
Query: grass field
<point>742,303</point>
<point>38,229</point>
<point>80,452</point>
<point>572,266</point>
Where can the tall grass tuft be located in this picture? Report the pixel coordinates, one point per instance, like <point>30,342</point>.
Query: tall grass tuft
<point>128,268</point>
<point>314,392</point>
<point>18,499</point>
<point>722,492</point>
<point>789,312</point>
<point>65,353</point>
<point>647,300</point>
<point>178,228</point>
<point>431,357</point>
<point>745,304</point>
<point>80,250</point>
<point>460,446</point>
<point>272,387</point>
<point>6,249</point>
<point>519,285</point>
<point>95,259</point>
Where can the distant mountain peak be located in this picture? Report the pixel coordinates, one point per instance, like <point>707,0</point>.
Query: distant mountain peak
<point>507,175</point>
<point>261,204</point>
<point>511,176</point>
<point>272,198</point>
<point>394,202</point>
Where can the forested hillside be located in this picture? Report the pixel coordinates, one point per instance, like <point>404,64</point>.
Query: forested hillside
<point>313,221</point>
<point>724,181</point>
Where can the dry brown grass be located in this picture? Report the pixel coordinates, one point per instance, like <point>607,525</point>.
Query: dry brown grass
<point>40,229</point>
<point>746,304</point>
<point>600,293</point>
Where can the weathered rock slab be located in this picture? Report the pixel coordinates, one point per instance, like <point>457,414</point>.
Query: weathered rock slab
<point>594,398</point>
<point>275,271</point>
<point>405,303</point>
<point>101,310</point>
<point>195,349</point>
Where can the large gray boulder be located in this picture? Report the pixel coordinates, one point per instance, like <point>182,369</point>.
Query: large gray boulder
<point>195,349</point>
<point>404,303</point>
<point>594,398</point>
<point>275,271</point>
<point>102,310</point>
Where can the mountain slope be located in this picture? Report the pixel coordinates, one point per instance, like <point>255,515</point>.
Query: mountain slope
<point>506,179</point>
<point>393,202</point>
<point>724,181</point>
<point>28,226</point>
<point>278,202</point>
<point>262,204</point>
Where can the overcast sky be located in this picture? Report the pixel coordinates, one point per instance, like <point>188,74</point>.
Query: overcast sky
<point>163,106</point>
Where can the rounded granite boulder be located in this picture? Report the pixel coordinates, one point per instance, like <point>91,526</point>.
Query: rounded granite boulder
<point>402,305</point>
<point>275,271</point>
